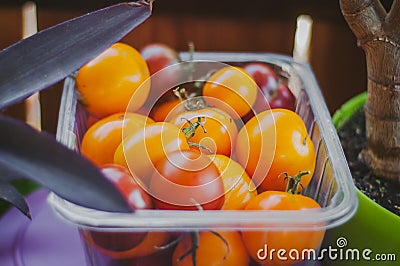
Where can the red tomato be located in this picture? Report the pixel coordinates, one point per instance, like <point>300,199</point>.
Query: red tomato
<point>282,97</point>
<point>116,243</point>
<point>260,243</point>
<point>272,143</point>
<point>186,180</point>
<point>263,75</point>
<point>122,179</point>
<point>107,83</point>
<point>231,89</point>
<point>272,93</point>
<point>160,58</point>
<point>224,248</point>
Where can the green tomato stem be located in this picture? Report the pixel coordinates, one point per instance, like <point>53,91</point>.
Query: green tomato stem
<point>294,182</point>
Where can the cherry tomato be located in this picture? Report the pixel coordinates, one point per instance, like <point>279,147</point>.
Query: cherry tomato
<point>102,139</point>
<point>272,143</point>
<point>115,242</point>
<point>186,180</point>
<point>134,194</point>
<point>282,97</point>
<point>150,244</point>
<point>231,89</point>
<point>162,110</point>
<point>263,75</point>
<point>214,248</point>
<point>143,148</point>
<point>219,130</point>
<point>260,243</point>
<point>107,83</point>
<point>272,93</point>
<point>239,188</point>
<point>159,58</point>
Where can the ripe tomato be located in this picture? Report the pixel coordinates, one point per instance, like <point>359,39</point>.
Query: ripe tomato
<point>159,58</point>
<point>260,243</point>
<point>239,188</point>
<point>143,148</point>
<point>148,245</point>
<point>214,248</point>
<point>134,194</point>
<point>161,111</point>
<point>282,97</point>
<point>137,198</point>
<point>231,89</point>
<point>263,75</point>
<point>107,83</point>
<point>103,137</point>
<point>186,180</point>
<point>221,130</point>
<point>272,143</point>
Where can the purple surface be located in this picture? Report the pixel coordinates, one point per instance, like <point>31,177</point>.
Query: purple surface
<point>44,241</point>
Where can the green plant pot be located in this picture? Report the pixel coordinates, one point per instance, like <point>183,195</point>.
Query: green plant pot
<point>373,229</point>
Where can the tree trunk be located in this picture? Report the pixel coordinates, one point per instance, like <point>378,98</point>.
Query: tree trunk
<point>378,34</point>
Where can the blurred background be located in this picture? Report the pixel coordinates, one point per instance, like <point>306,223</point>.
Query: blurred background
<point>223,25</point>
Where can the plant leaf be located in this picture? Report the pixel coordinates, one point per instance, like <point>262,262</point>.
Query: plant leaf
<point>47,57</point>
<point>11,195</point>
<point>39,157</point>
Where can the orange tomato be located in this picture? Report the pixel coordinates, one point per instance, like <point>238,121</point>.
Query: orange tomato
<point>161,111</point>
<point>143,148</point>
<point>239,188</point>
<point>231,89</point>
<point>103,137</point>
<point>214,248</point>
<point>220,131</point>
<point>108,82</point>
<point>259,244</point>
<point>273,143</point>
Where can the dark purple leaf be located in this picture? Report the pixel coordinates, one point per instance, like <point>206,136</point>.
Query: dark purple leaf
<point>47,57</point>
<point>39,157</point>
<point>10,194</point>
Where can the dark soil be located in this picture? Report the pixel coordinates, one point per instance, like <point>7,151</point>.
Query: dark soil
<point>352,137</point>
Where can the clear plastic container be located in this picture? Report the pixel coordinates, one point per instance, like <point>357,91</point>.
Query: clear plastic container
<point>331,186</point>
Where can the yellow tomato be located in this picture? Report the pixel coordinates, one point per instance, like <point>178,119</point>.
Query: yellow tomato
<point>143,148</point>
<point>108,82</point>
<point>103,137</point>
<point>219,133</point>
<point>232,90</point>
<point>273,143</point>
<point>239,189</point>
